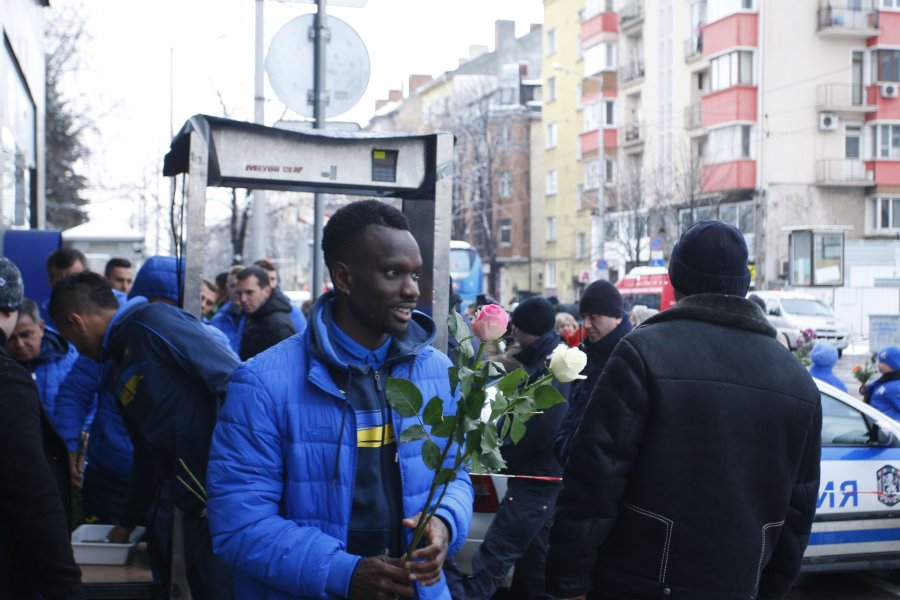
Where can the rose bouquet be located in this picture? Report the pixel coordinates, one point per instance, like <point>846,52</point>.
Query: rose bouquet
<point>864,372</point>
<point>491,405</point>
<point>805,344</point>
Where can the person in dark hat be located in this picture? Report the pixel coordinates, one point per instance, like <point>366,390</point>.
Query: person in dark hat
<point>519,533</point>
<point>36,558</point>
<point>605,322</point>
<point>695,471</point>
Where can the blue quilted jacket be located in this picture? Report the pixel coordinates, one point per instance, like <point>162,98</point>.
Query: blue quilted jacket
<point>52,366</point>
<point>230,321</point>
<point>283,465</point>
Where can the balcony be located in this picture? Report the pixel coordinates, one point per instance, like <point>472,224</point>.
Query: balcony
<point>843,172</point>
<point>600,23</point>
<point>693,116</point>
<point>844,21</point>
<point>633,136</point>
<point>631,73</point>
<point>631,16</point>
<point>693,48</point>
<point>843,97</point>
<point>734,175</point>
<point>589,141</point>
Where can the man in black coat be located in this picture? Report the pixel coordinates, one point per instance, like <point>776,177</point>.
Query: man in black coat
<point>605,323</point>
<point>35,552</point>
<point>519,533</point>
<point>696,469</point>
<point>267,310</point>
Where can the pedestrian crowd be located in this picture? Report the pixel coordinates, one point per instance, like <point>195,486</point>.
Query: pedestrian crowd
<point>684,464</point>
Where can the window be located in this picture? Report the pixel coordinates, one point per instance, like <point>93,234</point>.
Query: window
<point>890,4</point>
<point>719,9</point>
<point>817,258</point>
<point>842,425</point>
<point>852,142</point>
<point>886,64</point>
<point>609,170</point>
<point>599,57</point>
<point>733,68</point>
<point>609,54</point>
<point>551,182</point>
<point>551,135</point>
<point>551,229</point>
<point>505,184</point>
<point>505,232</point>
<point>592,174</point>
<point>551,89</point>
<point>609,113</point>
<point>550,274</point>
<point>886,211</point>
<point>591,116</point>
<point>687,217</point>
<point>581,245</point>
<point>739,214</point>
<point>579,197</point>
<point>886,141</point>
<point>551,41</point>
<point>734,142</point>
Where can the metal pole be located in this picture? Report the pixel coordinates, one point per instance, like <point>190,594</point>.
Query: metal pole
<point>318,270</point>
<point>260,212</point>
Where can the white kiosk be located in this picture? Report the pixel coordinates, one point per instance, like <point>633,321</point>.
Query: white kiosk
<point>418,169</point>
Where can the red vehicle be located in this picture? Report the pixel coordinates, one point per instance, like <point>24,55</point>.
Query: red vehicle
<point>649,286</point>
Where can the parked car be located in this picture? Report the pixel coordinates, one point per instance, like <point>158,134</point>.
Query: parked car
<point>649,286</point>
<point>792,312</point>
<point>857,523</point>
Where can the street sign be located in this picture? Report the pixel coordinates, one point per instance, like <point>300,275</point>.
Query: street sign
<point>656,243</point>
<point>602,264</point>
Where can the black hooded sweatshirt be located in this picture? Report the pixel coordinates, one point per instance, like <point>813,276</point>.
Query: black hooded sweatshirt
<point>270,324</point>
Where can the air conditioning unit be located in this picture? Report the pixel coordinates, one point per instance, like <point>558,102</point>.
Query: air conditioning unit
<point>785,269</point>
<point>828,121</point>
<point>890,90</point>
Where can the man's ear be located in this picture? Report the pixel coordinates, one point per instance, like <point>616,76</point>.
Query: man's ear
<point>77,322</point>
<point>42,326</point>
<point>341,277</point>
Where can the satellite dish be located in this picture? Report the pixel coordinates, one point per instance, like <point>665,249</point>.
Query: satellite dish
<point>289,64</point>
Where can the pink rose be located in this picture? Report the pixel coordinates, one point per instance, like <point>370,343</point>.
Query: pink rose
<point>490,323</point>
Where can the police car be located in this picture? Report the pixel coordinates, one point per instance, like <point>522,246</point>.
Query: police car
<point>857,523</point>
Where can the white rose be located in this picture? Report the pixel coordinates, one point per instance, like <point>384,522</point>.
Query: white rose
<point>567,363</point>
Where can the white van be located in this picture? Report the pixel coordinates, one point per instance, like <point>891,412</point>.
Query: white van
<point>792,312</point>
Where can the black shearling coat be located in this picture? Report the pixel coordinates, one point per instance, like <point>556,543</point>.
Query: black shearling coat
<point>695,472</point>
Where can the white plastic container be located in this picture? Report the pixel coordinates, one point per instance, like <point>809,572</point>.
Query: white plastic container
<point>90,548</point>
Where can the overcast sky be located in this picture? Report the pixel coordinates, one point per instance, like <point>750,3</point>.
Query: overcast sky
<point>126,67</point>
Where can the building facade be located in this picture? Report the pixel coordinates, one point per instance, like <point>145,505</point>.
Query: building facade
<point>781,118</point>
<point>22,113</point>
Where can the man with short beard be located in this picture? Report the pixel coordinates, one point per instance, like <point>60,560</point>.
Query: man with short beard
<point>310,494</point>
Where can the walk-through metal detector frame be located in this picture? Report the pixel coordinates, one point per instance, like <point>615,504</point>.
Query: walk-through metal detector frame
<point>418,169</point>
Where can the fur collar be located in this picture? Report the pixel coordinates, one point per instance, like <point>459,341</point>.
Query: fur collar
<point>722,309</point>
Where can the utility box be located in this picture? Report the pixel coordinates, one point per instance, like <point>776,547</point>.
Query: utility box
<point>884,330</point>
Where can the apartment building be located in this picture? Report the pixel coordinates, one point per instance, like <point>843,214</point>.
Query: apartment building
<point>492,105</point>
<point>781,118</point>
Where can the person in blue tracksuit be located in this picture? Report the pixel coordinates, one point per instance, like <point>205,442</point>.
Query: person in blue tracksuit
<point>169,376</point>
<point>824,356</point>
<point>310,494</point>
<point>46,355</point>
<point>884,392</point>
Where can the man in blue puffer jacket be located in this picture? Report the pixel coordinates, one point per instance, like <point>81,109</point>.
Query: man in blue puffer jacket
<point>42,351</point>
<point>310,494</point>
<point>230,318</point>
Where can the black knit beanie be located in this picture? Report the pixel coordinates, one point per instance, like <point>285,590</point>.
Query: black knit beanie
<point>710,258</point>
<point>535,316</point>
<point>11,286</point>
<point>601,298</point>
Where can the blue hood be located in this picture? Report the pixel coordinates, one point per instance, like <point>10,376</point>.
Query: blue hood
<point>421,333</point>
<point>158,278</point>
<point>824,355</point>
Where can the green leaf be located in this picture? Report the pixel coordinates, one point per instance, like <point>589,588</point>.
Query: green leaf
<point>504,428</point>
<point>458,327</point>
<point>403,396</point>
<point>473,442</point>
<point>434,412</point>
<point>474,403</point>
<point>517,431</point>
<point>492,460</point>
<point>444,428</point>
<point>495,369</point>
<point>466,349</point>
<point>431,455</point>
<point>444,476</point>
<point>510,381</point>
<point>453,375</point>
<point>546,396</point>
<point>489,438</point>
<point>413,433</point>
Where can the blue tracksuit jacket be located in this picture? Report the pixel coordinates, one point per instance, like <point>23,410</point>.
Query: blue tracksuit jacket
<point>283,465</point>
